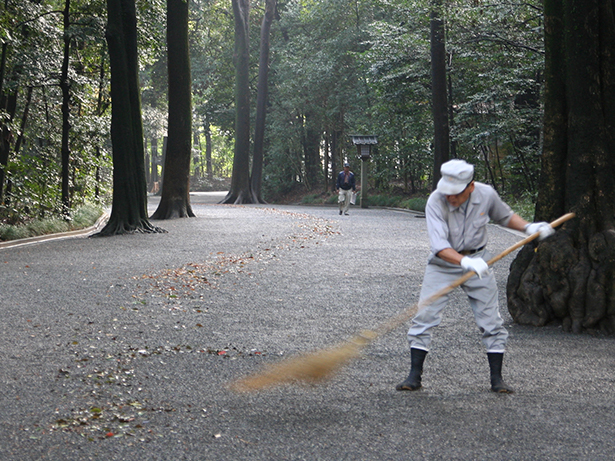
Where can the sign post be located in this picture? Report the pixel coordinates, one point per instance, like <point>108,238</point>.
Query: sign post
<point>364,146</point>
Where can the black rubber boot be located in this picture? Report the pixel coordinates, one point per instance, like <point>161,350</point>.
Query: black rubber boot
<point>497,383</point>
<point>413,381</point>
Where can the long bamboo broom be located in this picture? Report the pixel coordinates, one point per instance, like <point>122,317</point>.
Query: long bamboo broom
<point>316,366</point>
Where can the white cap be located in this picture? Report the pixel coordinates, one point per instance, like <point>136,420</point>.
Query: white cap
<point>456,175</point>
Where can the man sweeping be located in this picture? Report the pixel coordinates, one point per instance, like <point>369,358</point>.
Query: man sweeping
<point>457,214</point>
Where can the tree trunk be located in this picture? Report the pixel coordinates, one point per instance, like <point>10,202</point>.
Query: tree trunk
<point>570,277</point>
<point>198,163</point>
<point>129,209</point>
<point>154,155</point>
<point>8,102</point>
<point>451,112</point>
<point>240,179</point>
<point>65,87</point>
<point>485,150</point>
<point>148,165</point>
<point>336,157</point>
<point>208,148</point>
<point>175,199</point>
<point>311,150</point>
<point>261,102</point>
<point>327,159</point>
<point>24,121</point>
<point>4,153</point>
<point>5,48</point>
<point>101,108</point>
<point>438,91</point>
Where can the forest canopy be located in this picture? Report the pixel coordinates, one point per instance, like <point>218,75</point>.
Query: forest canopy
<point>337,68</point>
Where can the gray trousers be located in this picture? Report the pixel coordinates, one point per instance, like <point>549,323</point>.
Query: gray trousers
<point>483,297</point>
<point>344,199</point>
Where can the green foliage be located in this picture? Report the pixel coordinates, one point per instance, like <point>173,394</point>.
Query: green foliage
<point>415,203</point>
<point>311,199</point>
<point>382,200</point>
<point>369,73</point>
<point>338,67</point>
<point>151,24</point>
<point>11,232</point>
<point>395,201</point>
<point>222,155</point>
<point>83,217</point>
<point>31,185</point>
<point>497,86</point>
<point>331,199</point>
<point>316,83</point>
<point>378,200</point>
<point>524,205</point>
<point>47,226</point>
<point>399,71</point>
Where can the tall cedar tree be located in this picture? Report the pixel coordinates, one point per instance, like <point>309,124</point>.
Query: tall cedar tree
<point>438,90</point>
<point>65,87</point>
<point>311,148</point>
<point>570,277</point>
<point>175,198</point>
<point>8,106</point>
<point>240,191</point>
<point>261,102</point>
<point>129,208</point>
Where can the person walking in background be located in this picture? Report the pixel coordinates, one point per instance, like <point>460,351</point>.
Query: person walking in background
<point>345,187</point>
<point>457,214</point>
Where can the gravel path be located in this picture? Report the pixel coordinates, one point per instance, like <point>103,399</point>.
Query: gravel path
<point>121,348</point>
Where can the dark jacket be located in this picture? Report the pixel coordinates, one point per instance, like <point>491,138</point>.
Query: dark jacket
<point>345,185</point>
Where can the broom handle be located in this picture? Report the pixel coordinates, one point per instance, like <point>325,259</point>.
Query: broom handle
<point>411,311</point>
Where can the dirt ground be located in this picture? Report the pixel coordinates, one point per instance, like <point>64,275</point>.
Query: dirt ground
<point>123,348</point>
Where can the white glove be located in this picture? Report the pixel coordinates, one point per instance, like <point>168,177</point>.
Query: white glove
<point>477,265</point>
<point>542,227</point>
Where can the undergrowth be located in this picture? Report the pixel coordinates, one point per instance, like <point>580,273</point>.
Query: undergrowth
<point>522,205</point>
<point>391,201</point>
<point>81,218</point>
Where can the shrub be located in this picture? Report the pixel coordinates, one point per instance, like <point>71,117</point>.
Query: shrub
<point>10,232</point>
<point>47,226</point>
<point>311,199</point>
<point>396,201</point>
<point>83,217</point>
<point>414,203</point>
<point>332,199</point>
<point>523,205</point>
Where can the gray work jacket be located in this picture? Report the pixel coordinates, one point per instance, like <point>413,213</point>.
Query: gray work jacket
<point>464,227</point>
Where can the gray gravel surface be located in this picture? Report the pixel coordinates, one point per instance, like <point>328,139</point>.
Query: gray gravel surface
<point>122,348</point>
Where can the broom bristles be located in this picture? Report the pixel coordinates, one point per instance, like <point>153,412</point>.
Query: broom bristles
<point>311,368</point>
